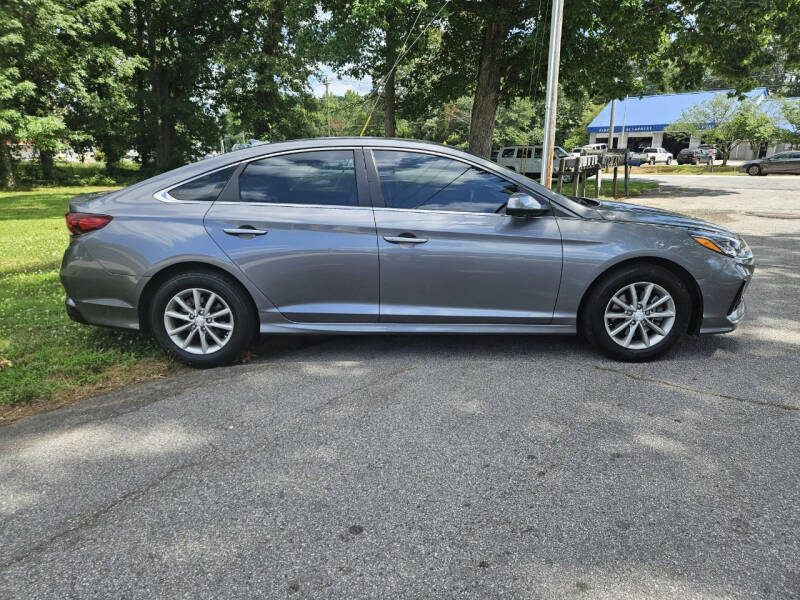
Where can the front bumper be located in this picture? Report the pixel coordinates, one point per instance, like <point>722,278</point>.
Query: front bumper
<point>724,304</point>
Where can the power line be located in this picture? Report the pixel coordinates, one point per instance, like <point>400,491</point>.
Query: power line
<point>396,62</point>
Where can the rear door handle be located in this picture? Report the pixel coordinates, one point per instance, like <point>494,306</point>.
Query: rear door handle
<point>244,231</point>
<point>399,239</point>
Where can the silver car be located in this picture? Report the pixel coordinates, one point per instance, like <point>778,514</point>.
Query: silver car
<point>786,163</point>
<point>389,236</point>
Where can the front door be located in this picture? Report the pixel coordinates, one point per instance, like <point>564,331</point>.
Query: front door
<point>298,225</point>
<point>448,253</point>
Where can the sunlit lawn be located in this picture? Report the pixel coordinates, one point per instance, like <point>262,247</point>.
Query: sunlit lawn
<point>44,356</point>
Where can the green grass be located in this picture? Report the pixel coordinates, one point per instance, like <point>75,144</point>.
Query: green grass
<point>43,355</point>
<point>634,188</point>
<point>686,170</point>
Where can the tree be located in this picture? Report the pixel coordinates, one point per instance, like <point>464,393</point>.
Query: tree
<point>788,120</point>
<point>369,37</point>
<point>714,120</point>
<point>177,102</point>
<point>263,74</point>
<point>751,123</point>
<point>498,50</point>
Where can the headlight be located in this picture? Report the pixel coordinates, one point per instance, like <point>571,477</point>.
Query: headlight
<point>729,245</point>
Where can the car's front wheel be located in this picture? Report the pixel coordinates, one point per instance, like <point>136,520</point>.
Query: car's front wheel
<point>636,313</point>
<point>202,318</point>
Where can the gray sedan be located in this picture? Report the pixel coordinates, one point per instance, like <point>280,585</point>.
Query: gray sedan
<point>787,163</point>
<point>389,236</point>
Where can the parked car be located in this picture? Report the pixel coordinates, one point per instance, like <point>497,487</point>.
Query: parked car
<point>710,149</point>
<point>586,149</point>
<point>528,159</point>
<point>694,156</point>
<point>783,162</point>
<point>653,155</point>
<point>373,235</point>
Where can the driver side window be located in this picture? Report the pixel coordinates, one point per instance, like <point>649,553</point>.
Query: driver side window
<point>413,180</point>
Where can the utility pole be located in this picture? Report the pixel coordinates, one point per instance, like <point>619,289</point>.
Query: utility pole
<point>611,125</point>
<point>551,105</point>
<point>327,83</point>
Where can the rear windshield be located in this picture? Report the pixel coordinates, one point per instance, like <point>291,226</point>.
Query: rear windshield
<point>650,150</point>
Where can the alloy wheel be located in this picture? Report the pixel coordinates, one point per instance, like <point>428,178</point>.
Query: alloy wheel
<point>198,321</point>
<point>640,315</point>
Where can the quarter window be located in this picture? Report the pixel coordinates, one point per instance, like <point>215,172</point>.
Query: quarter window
<point>424,181</point>
<point>205,188</point>
<point>324,177</point>
<point>508,153</point>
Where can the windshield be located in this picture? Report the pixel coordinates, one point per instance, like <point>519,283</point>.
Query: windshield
<point>560,152</point>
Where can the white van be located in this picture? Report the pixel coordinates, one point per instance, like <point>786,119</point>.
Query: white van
<point>589,149</point>
<point>528,159</point>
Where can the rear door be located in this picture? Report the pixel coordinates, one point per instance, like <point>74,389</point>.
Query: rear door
<point>300,226</point>
<point>448,251</point>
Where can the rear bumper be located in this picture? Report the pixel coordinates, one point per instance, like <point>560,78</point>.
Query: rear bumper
<point>96,296</point>
<point>72,311</point>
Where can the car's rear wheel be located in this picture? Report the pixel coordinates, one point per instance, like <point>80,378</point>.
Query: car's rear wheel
<point>754,170</point>
<point>653,161</point>
<point>203,319</point>
<point>636,313</point>
<point>669,161</point>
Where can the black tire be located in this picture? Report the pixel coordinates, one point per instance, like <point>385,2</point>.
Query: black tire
<point>669,161</point>
<point>754,170</point>
<point>242,318</point>
<point>652,161</point>
<point>592,318</point>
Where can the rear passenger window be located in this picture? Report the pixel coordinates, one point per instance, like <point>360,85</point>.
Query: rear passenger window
<point>205,188</point>
<point>325,177</point>
<point>508,153</point>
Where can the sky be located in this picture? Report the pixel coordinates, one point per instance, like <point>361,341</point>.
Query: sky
<point>339,85</point>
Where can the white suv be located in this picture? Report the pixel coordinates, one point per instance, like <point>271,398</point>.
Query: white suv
<point>528,159</point>
<point>653,155</point>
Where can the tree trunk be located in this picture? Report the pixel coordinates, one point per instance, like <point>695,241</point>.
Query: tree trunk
<point>7,178</point>
<point>144,146</point>
<point>46,160</point>
<point>389,104</point>
<point>484,106</point>
<point>165,121</point>
<point>389,124</point>
<point>267,97</point>
<point>112,153</point>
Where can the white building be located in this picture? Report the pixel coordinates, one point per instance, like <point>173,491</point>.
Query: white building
<point>640,122</point>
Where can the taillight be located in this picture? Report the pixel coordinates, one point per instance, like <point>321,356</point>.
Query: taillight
<point>80,223</point>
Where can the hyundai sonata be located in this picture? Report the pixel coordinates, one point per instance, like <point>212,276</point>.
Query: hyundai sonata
<point>389,236</point>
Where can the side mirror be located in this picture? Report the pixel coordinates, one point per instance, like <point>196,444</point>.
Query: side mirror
<point>525,205</point>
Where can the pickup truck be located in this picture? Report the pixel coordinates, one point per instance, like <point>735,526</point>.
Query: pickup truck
<point>653,155</point>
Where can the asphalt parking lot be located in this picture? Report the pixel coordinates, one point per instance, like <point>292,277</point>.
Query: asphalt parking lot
<point>438,467</point>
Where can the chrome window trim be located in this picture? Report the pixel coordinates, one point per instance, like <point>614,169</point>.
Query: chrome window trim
<point>163,195</point>
<point>290,205</point>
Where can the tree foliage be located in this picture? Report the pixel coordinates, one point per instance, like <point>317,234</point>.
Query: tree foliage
<point>174,79</point>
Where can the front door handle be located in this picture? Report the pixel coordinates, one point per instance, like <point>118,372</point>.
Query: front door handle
<point>399,239</point>
<point>245,230</point>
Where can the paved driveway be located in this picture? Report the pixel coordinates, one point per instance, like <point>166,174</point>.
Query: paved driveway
<point>436,467</point>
